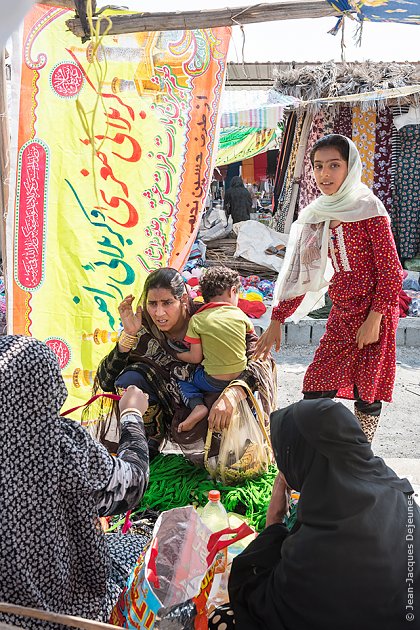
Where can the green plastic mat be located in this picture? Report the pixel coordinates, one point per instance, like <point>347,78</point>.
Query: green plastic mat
<point>175,482</point>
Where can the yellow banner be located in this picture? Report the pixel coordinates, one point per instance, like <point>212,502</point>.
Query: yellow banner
<point>114,153</point>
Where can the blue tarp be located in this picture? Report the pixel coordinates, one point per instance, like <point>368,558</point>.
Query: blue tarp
<point>405,11</point>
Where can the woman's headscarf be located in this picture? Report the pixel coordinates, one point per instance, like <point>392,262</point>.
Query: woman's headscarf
<point>310,275</point>
<point>324,454</point>
<point>237,182</point>
<point>53,553</point>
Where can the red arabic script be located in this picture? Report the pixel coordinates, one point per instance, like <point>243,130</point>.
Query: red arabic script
<point>31,198</point>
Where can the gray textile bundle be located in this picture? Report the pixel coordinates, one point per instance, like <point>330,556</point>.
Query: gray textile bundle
<point>330,79</point>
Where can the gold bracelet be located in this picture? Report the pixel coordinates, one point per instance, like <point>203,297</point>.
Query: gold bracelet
<point>127,341</point>
<point>130,410</point>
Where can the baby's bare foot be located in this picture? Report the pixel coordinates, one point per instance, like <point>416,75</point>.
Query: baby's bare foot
<point>198,413</point>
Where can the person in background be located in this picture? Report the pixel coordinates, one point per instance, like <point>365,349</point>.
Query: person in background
<point>238,201</point>
<point>217,338</point>
<point>352,560</point>
<point>343,240</point>
<point>56,481</point>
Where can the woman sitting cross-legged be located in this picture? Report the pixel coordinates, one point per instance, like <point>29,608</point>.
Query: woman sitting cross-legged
<point>146,355</point>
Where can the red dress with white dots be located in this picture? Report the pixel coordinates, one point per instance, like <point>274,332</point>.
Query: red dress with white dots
<point>368,277</point>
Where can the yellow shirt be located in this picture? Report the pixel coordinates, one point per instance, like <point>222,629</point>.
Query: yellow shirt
<point>221,329</point>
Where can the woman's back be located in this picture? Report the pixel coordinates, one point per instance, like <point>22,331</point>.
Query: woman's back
<point>345,564</point>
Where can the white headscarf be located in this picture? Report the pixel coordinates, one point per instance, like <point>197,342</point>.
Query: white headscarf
<point>307,269</point>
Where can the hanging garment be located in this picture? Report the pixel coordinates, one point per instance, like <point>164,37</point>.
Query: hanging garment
<point>309,190</point>
<point>382,158</point>
<point>272,157</point>
<point>397,111</point>
<point>412,117</point>
<point>407,192</point>
<point>260,167</point>
<point>284,156</point>
<point>343,122</point>
<point>363,135</point>
<point>279,219</point>
<point>248,174</point>
<point>329,118</point>
<point>297,175</point>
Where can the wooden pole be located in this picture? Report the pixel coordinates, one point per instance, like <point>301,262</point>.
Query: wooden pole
<point>190,20</point>
<point>56,618</point>
<point>64,4</point>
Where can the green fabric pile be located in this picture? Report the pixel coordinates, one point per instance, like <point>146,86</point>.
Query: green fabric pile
<point>175,482</point>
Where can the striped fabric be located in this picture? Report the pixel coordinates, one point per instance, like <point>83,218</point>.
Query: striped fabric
<point>265,117</point>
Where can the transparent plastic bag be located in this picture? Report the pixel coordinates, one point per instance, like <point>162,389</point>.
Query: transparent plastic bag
<point>170,585</point>
<point>244,448</point>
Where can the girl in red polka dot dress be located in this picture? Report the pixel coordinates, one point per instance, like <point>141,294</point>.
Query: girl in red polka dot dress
<point>342,241</point>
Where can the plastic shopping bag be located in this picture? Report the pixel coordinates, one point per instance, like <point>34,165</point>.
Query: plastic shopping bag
<point>171,583</point>
<point>244,448</point>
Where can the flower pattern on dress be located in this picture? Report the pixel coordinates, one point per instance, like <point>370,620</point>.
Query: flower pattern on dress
<point>374,283</point>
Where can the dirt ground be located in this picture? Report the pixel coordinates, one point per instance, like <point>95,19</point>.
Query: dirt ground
<point>398,434</point>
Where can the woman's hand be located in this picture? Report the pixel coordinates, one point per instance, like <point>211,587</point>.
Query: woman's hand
<point>134,398</point>
<point>131,320</point>
<point>272,336</point>
<point>279,503</point>
<point>369,331</point>
<point>222,410</point>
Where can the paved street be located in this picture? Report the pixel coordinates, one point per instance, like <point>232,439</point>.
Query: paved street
<point>398,435</point>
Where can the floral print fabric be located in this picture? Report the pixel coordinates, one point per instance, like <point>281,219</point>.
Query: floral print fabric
<point>407,193</point>
<point>364,124</point>
<point>383,158</point>
<point>308,189</point>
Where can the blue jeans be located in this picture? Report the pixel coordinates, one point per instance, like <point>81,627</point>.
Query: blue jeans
<point>193,391</point>
<point>131,377</point>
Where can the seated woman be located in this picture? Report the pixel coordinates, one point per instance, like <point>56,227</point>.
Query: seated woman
<point>146,355</point>
<point>55,483</point>
<point>352,561</point>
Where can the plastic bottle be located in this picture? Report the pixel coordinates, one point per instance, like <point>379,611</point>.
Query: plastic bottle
<point>215,517</point>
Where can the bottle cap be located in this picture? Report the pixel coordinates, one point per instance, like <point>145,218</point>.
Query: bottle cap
<point>214,495</point>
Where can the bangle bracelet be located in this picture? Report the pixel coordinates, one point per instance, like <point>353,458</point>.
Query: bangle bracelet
<point>130,410</point>
<point>127,341</point>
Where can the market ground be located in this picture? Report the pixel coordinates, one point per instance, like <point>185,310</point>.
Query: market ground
<point>398,435</point>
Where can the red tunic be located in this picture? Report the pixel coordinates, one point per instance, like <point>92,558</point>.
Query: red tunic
<point>368,277</point>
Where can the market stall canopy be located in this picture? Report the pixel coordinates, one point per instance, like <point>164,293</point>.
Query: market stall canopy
<point>250,123</point>
<point>241,143</point>
<point>254,108</point>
